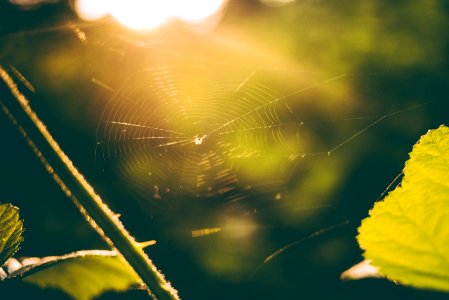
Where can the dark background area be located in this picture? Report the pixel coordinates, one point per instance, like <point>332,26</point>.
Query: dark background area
<point>396,55</point>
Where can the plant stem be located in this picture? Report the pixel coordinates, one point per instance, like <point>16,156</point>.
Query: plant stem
<point>16,107</point>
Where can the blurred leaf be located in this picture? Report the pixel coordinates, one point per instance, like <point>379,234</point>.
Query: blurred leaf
<point>11,229</point>
<point>83,274</point>
<point>362,270</point>
<point>406,235</point>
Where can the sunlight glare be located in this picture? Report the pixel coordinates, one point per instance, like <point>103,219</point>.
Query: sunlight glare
<point>92,10</point>
<point>147,14</point>
<point>141,14</point>
<point>197,11</point>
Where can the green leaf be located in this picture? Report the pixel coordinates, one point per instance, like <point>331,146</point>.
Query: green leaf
<point>11,229</point>
<point>83,274</point>
<point>407,235</point>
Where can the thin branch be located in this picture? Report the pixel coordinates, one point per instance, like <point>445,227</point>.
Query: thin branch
<point>16,107</point>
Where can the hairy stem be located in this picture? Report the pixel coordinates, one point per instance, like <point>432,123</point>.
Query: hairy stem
<point>16,107</point>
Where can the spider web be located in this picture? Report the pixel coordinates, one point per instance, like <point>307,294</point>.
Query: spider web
<point>179,127</point>
<point>196,122</point>
<point>178,137</point>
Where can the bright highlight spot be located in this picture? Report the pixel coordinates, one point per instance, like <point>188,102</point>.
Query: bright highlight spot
<point>91,10</point>
<point>275,3</point>
<point>140,14</point>
<point>197,10</point>
<point>148,14</point>
<point>239,229</point>
<point>198,140</point>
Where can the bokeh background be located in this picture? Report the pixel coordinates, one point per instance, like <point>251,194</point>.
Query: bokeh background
<point>394,55</point>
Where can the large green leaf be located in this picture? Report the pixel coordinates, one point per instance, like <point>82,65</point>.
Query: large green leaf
<point>11,229</point>
<point>407,235</point>
<point>83,274</point>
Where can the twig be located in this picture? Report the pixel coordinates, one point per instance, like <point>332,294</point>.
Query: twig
<point>16,107</point>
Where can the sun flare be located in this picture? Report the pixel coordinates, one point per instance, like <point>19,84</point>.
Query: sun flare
<point>147,15</point>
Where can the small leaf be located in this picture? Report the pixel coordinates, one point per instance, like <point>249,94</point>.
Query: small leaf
<point>83,274</point>
<point>11,229</point>
<point>407,234</point>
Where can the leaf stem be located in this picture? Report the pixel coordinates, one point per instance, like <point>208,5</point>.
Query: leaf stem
<point>16,107</point>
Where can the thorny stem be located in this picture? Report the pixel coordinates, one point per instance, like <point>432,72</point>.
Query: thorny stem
<point>16,107</point>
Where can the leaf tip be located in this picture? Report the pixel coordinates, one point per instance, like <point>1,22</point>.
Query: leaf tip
<point>363,269</point>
